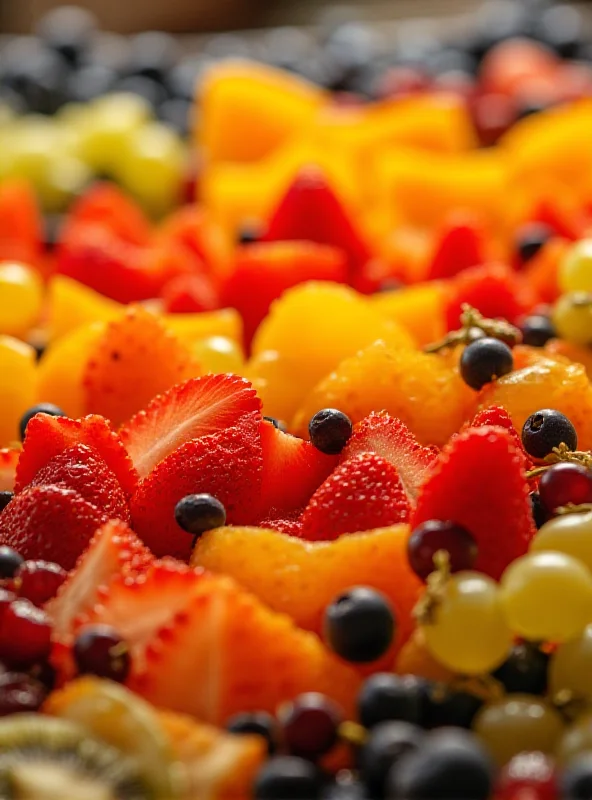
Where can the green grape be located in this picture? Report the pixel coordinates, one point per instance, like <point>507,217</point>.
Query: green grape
<point>65,178</point>
<point>547,596</point>
<point>467,631</point>
<point>576,741</point>
<point>572,317</point>
<point>154,167</point>
<point>571,666</point>
<point>568,533</point>
<point>219,354</point>
<point>575,271</point>
<point>34,143</point>
<point>517,723</point>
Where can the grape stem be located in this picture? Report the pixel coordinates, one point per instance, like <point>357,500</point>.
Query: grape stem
<point>470,320</point>
<point>353,733</point>
<point>561,454</point>
<point>432,597</point>
<point>573,508</point>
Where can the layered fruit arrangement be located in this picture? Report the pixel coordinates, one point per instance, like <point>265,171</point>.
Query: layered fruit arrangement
<point>296,476</point>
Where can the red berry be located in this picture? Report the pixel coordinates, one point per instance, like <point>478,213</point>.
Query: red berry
<point>20,693</point>
<point>40,580</point>
<point>434,535</point>
<point>25,634</point>
<point>100,650</point>
<point>6,599</point>
<point>310,725</point>
<point>528,776</point>
<point>565,483</point>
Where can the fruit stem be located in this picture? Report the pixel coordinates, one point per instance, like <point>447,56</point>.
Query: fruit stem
<point>470,319</point>
<point>432,597</point>
<point>485,687</point>
<point>573,508</point>
<point>353,733</point>
<point>559,454</point>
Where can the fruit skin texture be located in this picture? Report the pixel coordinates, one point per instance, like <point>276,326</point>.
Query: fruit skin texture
<point>49,523</point>
<point>478,481</point>
<point>226,465</point>
<point>498,416</point>
<point>364,492</point>
<point>301,578</point>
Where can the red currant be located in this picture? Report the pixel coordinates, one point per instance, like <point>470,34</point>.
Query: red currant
<point>25,634</point>
<point>310,725</point>
<point>565,483</point>
<point>434,535</point>
<point>39,581</point>
<point>100,650</point>
<point>528,776</point>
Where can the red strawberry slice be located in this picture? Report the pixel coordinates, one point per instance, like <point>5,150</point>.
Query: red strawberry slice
<point>188,293</point>
<point>460,246</point>
<point>81,468</point>
<point>8,460</point>
<point>390,438</point>
<point>48,436</point>
<point>226,464</point>
<point>311,211</point>
<point>113,551</point>
<point>479,482</point>
<point>105,205</point>
<point>498,416</point>
<point>21,223</point>
<point>363,493</point>
<point>291,527</point>
<point>49,523</point>
<point>198,407</point>
<point>292,470</point>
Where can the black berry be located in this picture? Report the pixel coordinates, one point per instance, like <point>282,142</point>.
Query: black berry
<point>5,498</point>
<point>386,697</point>
<point>445,708</point>
<point>310,725</point>
<point>100,650</point>
<point>288,778</point>
<point>260,723</point>
<point>539,512</point>
<point>484,360</point>
<point>387,743</point>
<point>546,429</point>
<point>40,408</point>
<point>537,331</point>
<point>529,240</point>
<point>330,430</point>
<point>197,513</point>
<point>525,671</point>
<point>10,561</point>
<point>360,625</point>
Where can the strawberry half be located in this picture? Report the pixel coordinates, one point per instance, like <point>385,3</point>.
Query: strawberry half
<point>48,436</point>
<point>81,468</point>
<point>292,470</point>
<point>460,246</point>
<point>49,523</point>
<point>113,550</point>
<point>479,482</point>
<point>226,464</point>
<point>390,438</point>
<point>105,205</point>
<point>498,416</point>
<point>8,460</point>
<point>363,493</point>
<point>196,408</point>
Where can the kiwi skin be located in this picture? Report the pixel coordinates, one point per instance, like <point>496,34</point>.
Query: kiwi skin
<point>62,747</point>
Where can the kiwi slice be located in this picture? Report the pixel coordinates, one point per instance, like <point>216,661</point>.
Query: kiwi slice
<point>45,758</point>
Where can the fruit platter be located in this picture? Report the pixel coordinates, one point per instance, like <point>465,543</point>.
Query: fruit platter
<point>296,411</point>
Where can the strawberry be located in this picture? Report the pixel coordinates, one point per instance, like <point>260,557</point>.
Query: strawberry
<point>113,550</point>
<point>498,416</point>
<point>289,526</point>
<point>390,438</point>
<point>493,289</point>
<point>479,482</point>
<point>262,272</point>
<point>8,460</point>
<point>226,464</point>
<point>292,470</point>
<point>363,493</point>
<point>311,211</point>
<point>189,293</point>
<point>196,408</point>
<point>106,206</point>
<point>48,436</point>
<point>21,225</point>
<point>460,245</point>
<point>191,227</point>
<point>81,468</point>
<point>49,523</point>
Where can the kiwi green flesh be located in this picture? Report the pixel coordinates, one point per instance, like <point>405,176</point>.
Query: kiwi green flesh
<point>46,758</point>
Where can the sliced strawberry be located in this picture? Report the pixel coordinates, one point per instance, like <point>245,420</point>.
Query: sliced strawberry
<point>479,482</point>
<point>292,470</point>
<point>49,523</point>
<point>390,438</point>
<point>48,436</point>
<point>105,205</point>
<point>363,493</point>
<point>189,294</point>
<point>460,245</point>
<point>81,468</point>
<point>289,526</point>
<point>311,211</point>
<point>226,464</point>
<point>9,457</point>
<point>113,551</point>
<point>198,407</point>
<point>21,224</point>
<point>498,416</point>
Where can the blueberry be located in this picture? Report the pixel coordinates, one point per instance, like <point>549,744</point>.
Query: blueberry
<point>386,697</point>
<point>68,30</point>
<point>10,561</point>
<point>176,113</point>
<point>530,238</point>
<point>90,81</point>
<point>576,781</point>
<point>446,707</point>
<point>484,360</point>
<point>197,513</point>
<point>288,778</point>
<point>40,408</point>
<point>310,725</point>
<point>330,430</point>
<point>450,764</point>
<point>525,671</point>
<point>153,54</point>
<point>5,498</point>
<point>537,330</point>
<point>147,88</point>
<point>249,233</point>
<point>539,512</point>
<point>385,746</point>
<point>359,625</point>
<point>546,429</point>
<point>258,722</point>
